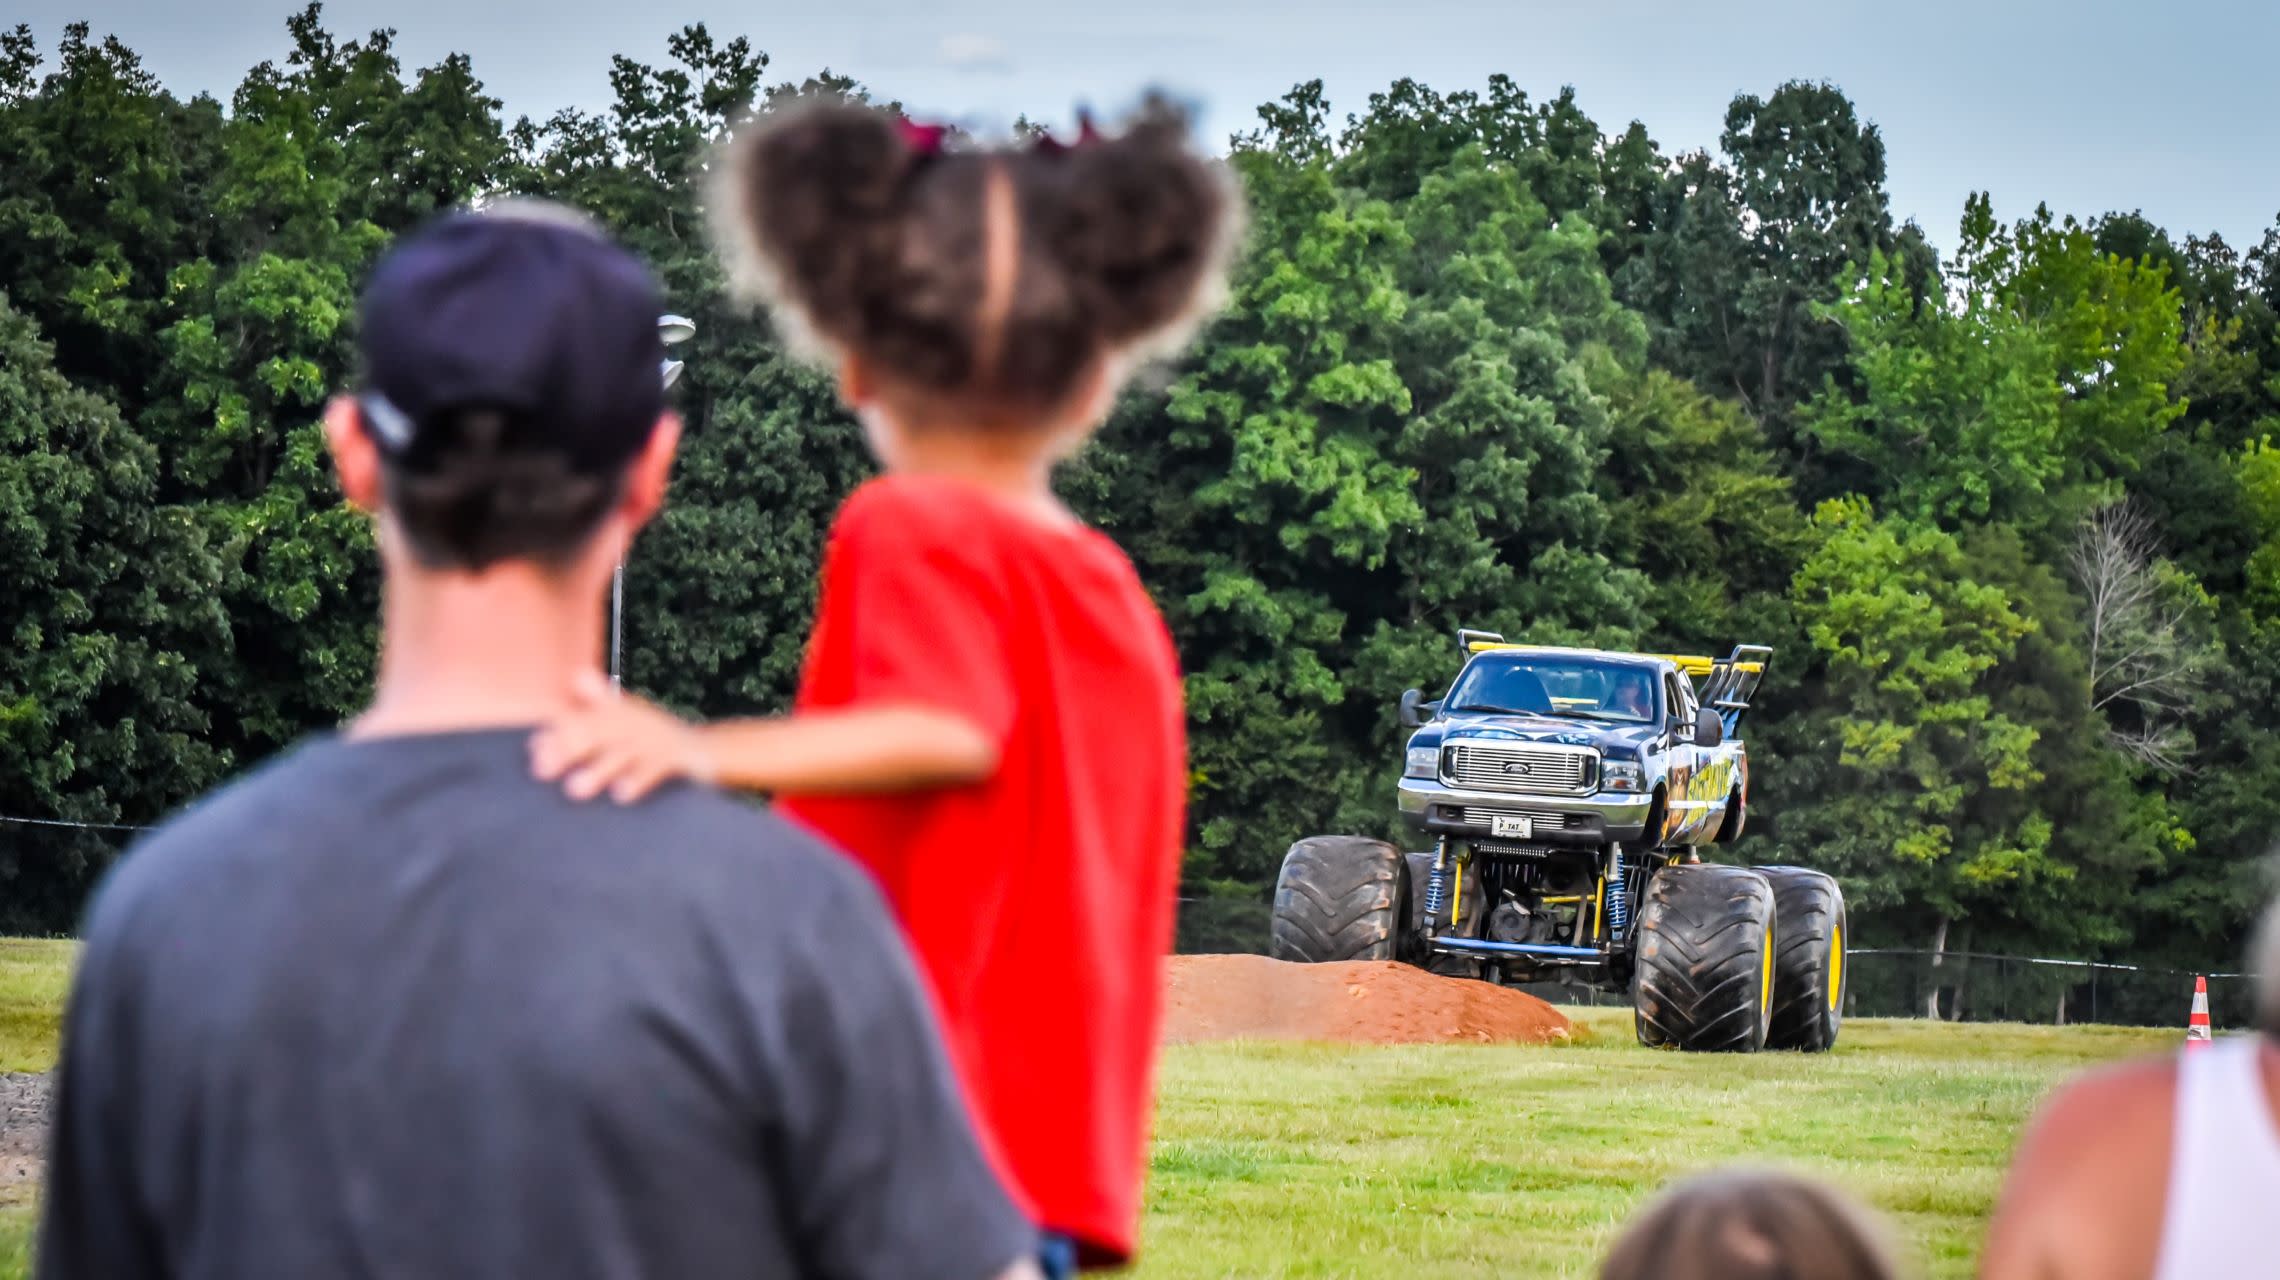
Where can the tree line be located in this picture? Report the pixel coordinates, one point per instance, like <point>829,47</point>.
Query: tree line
<point>2009,514</point>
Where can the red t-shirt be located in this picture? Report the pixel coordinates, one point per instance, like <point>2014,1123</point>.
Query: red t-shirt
<point>1040,901</point>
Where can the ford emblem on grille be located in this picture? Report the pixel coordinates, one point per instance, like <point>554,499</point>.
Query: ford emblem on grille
<point>1516,766</point>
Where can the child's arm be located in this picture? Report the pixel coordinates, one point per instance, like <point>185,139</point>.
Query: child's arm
<point>628,747</point>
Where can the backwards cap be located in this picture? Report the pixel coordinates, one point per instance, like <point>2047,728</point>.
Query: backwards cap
<point>525,309</point>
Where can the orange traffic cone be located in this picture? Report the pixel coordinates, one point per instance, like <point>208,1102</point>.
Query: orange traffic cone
<point>2197,1026</point>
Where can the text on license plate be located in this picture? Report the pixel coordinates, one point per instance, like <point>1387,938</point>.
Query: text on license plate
<point>1512,826</point>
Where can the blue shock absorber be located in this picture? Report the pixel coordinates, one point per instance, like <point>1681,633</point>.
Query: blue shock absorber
<point>1618,897</point>
<point>1437,887</point>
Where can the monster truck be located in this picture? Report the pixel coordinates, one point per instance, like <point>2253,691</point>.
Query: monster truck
<point>1567,795</point>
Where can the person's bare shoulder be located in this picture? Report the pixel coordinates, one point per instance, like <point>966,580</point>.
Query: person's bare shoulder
<point>2085,1192</point>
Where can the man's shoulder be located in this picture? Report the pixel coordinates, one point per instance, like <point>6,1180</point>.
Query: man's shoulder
<point>703,827</point>
<point>2086,1186</point>
<point>702,855</point>
<point>320,799</point>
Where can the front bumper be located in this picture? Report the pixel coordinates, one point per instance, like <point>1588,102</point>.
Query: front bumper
<point>1430,806</point>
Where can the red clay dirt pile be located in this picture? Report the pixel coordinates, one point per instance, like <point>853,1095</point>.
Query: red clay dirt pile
<point>1357,1002</point>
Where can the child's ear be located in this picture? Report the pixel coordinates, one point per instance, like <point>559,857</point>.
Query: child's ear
<point>355,460</point>
<point>856,387</point>
<point>1097,388</point>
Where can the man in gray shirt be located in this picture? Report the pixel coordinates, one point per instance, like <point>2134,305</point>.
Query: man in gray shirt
<point>390,1007</point>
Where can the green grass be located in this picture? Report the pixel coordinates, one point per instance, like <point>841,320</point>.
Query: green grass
<point>35,974</point>
<point>1302,1160</point>
<point>1278,1160</point>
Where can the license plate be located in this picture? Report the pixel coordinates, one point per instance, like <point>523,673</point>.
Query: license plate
<point>1512,826</point>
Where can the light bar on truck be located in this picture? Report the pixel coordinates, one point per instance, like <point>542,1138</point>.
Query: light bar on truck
<point>1690,664</point>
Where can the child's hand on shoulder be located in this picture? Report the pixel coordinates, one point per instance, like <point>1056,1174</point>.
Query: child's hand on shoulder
<point>608,741</point>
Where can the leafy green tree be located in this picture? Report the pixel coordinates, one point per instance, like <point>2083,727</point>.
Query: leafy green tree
<point>109,592</point>
<point>103,193</point>
<point>2043,378</point>
<point>1259,471</point>
<point>1909,781</point>
<point>1701,507</point>
<point>260,336</point>
<point>2115,327</point>
<point>1742,253</point>
<point>1397,430</point>
<point>2107,683</point>
<point>2260,493</point>
<point>1957,413</point>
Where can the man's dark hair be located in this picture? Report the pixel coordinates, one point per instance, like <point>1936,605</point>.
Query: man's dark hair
<point>993,277</point>
<point>481,496</point>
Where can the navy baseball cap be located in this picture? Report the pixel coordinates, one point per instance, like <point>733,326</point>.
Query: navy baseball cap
<point>526,309</point>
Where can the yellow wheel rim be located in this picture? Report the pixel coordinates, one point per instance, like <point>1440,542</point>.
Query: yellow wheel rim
<point>1765,981</point>
<point>1836,966</point>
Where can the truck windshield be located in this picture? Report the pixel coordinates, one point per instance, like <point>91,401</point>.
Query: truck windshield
<point>1536,684</point>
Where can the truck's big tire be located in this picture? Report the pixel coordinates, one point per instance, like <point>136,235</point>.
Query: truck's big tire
<point>1808,959</point>
<point>1703,979</point>
<point>1340,898</point>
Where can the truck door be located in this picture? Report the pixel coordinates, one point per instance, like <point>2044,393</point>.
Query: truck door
<point>1685,758</point>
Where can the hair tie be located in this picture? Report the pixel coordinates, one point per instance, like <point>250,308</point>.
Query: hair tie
<point>1087,135</point>
<point>921,139</point>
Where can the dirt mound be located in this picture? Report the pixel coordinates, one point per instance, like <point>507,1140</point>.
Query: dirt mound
<point>1359,1002</point>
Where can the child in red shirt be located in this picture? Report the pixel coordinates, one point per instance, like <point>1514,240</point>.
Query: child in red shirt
<point>990,714</point>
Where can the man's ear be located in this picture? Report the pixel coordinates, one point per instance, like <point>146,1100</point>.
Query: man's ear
<point>355,459</point>
<point>652,470</point>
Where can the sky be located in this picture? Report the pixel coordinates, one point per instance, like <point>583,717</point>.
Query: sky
<point>2166,106</point>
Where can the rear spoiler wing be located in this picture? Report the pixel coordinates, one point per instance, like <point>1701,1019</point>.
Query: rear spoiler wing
<point>1725,685</point>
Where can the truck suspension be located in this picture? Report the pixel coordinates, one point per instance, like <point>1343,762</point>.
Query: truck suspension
<point>1618,895</point>
<point>1437,884</point>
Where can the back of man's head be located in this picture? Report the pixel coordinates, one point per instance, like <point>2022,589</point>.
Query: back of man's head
<point>511,377</point>
<point>2265,959</point>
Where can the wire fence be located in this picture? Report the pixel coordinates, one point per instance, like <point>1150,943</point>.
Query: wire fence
<point>1969,986</point>
<point>63,824</point>
<point>1974,986</point>
<point>1979,986</point>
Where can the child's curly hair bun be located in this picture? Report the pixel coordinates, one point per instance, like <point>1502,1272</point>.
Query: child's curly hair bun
<point>998,274</point>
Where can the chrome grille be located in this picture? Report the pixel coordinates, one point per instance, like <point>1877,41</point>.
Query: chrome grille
<point>1544,819</point>
<point>1532,767</point>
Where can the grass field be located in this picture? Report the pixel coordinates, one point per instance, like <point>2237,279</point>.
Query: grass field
<point>1287,1160</point>
<point>1453,1162</point>
<point>35,974</point>
<point>34,977</point>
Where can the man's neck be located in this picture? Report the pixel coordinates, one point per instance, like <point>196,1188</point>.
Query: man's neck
<point>499,649</point>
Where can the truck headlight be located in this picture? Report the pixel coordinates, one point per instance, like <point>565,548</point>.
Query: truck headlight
<point>1622,775</point>
<point>1424,762</point>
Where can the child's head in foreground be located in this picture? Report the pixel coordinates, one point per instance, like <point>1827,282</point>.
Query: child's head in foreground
<point>1004,293</point>
<point>2264,963</point>
<point>1740,1225</point>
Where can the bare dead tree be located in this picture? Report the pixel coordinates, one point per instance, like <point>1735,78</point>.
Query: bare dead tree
<point>2145,663</point>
